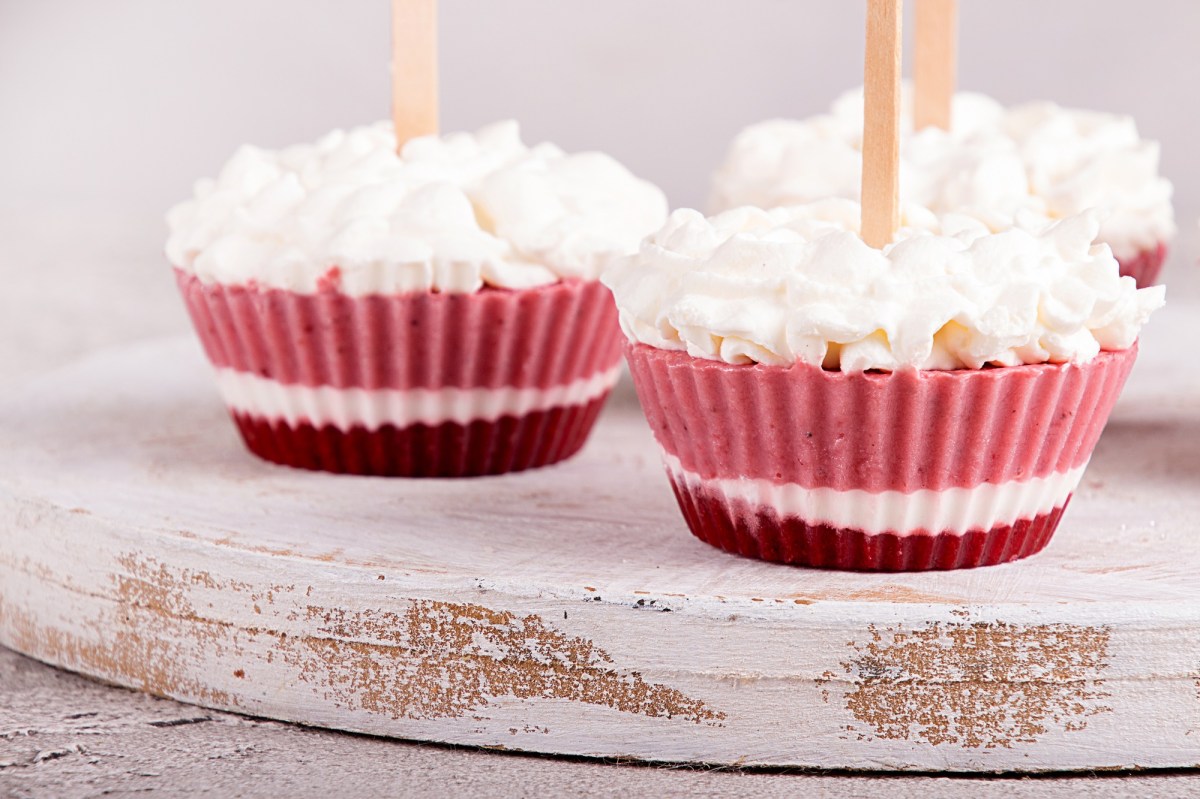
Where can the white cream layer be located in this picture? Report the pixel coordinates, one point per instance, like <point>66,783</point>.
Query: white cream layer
<point>955,510</point>
<point>373,408</point>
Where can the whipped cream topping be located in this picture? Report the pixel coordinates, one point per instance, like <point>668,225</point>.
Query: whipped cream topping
<point>451,213</point>
<point>993,163</point>
<point>798,284</point>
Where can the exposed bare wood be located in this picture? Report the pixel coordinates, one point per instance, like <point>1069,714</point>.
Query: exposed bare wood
<point>72,738</point>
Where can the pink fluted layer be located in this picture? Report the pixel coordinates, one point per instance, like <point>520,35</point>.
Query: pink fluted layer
<point>900,431</point>
<point>533,338</point>
<point>1145,266</point>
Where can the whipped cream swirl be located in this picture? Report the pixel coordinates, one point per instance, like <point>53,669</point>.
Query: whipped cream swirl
<point>993,163</point>
<point>798,284</point>
<point>451,213</point>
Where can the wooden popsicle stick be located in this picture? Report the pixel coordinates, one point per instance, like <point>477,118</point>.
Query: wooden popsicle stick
<point>881,123</point>
<point>414,69</point>
<point>934,62</point>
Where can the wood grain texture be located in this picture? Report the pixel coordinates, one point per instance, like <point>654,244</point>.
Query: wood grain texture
<point>71,738</point>
<point>935,62</point>
<point>414,69</point>
<point>881,123</point>
<point>569,611</point>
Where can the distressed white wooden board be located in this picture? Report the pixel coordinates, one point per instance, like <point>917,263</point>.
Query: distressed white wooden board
<point>139,544</point>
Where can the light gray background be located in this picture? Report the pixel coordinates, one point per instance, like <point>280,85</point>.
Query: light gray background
<point>109,109</point>
<point>127,101</point>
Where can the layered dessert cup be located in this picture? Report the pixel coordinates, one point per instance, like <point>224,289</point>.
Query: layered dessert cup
<point>436,313</point>
<point>1030,160</point>
<point>886,471</point>
<point>426,384</point>
<point>824,404</point>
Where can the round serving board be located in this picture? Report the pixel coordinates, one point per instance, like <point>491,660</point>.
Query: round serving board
<point>568,610</point>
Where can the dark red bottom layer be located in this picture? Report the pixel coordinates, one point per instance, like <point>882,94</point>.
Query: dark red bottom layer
<point>761,533</point>
<point>508,444</point>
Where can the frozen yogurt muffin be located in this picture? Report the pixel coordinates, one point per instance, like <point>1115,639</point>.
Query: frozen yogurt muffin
<point>431,313</point>
<point>993,163</point>
<point>929,406</point>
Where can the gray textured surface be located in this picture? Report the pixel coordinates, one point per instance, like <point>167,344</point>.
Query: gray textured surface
<point>65,736</point>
